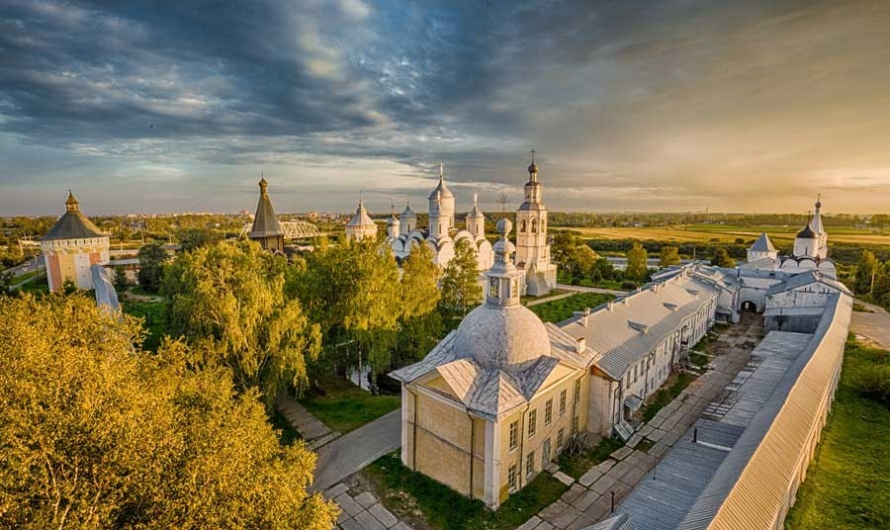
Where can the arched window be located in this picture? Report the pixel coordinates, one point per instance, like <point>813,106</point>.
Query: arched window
<point>522,225</point>
<point>543,225</point>
<point>534,226</point>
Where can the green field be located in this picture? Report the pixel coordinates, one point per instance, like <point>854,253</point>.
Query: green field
<point>847,484</point>
<point>780,235</point>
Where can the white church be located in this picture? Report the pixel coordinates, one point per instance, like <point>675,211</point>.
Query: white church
<point>442,233</point>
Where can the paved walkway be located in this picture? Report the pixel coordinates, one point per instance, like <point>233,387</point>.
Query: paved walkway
<point>590,499</point>
<point>875,326</point>
<point>353,451</point>
<point>580,289</point>
<point>360,510</point>
<point>311,428</point>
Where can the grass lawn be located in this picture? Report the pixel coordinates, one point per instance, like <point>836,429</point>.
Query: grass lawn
<point>344,407</point>
<point>553,292</point>
<point>559,310</point>
<point>859,308</point>
<point>39,285</point>
<point>847,485</point>
<point>670,390</point>
<point>406,492</point>
<point>153,315</point>
<point>576,465</point>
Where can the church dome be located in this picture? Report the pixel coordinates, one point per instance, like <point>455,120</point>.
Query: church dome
<point>502,337</point>
<point>806,233</point>
<point>533,168</point>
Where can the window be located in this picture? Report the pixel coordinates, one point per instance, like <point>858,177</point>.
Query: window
<point>636,366</point>
<point>532,423</point>
<point>493,288</point>
<point>577,390</point>
<point>530,464</point>
<point>534,226</point>
<point>511,478</point>
<point>548,412</point>
<point>514,435</point>
<point>562,402</point>
<point>575,425</point>
<point>560,438</point>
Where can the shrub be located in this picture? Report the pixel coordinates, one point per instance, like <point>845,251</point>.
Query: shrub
<point>874,383</point>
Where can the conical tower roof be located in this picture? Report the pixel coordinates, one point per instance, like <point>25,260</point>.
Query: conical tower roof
<point>265,222</point>
<point>361,217</point>
<point>763,244</point>
<point>73,224</point>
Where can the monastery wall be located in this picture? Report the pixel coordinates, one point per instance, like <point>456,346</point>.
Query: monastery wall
<point>757,482</point>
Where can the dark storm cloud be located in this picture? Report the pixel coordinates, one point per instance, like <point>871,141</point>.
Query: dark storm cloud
<point>664,100</point>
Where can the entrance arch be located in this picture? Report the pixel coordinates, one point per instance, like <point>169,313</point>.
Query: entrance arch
<point>749,307</point>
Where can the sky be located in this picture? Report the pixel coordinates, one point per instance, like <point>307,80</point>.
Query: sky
<point>661,105</point>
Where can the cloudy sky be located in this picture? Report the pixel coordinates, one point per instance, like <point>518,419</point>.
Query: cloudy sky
<point>660,105</point>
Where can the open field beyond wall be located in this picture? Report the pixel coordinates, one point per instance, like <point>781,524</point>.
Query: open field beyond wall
<point>724,234</point>
<point>847,484</point>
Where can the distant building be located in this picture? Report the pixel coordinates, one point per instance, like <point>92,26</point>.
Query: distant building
<point>71,247</point>
<point>266,229</point>
<point>361,226</point>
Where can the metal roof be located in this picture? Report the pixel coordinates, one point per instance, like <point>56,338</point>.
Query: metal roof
<point>630,328</point>
<point>763,244</point>
<point>618,522</point>
<point>73,224</point>
<point>265,222</point>
<point>663,502</point>
<point>751,487</point>
<point>806,278</point>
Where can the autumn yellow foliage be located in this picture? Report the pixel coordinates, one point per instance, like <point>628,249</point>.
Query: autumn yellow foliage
<point>95,433</point>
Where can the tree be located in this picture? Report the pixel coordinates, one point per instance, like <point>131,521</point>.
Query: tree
<point>722,259</point>
<point>192,238</point>
<point>580,262</point>
<point>352,291</point>
<point>5,282</point>
<point>420,324</point>
<point>461,290</point>
<point>866,270</point>
<point>120,279</point>
<point>95,433</point>
<point>230,299</point>
<point>151,266</point>
<point>668,256</point>
<point>637,263</point>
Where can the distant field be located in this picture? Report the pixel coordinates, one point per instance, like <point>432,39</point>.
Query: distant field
<point>725,234</point>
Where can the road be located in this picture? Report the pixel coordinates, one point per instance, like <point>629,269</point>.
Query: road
<point>31,265</point>
<point>353,451</point>
<point>875,326</point>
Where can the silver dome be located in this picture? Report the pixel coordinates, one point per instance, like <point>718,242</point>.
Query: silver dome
<point>502,337</point>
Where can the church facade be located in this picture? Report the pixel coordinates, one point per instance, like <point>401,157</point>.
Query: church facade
<point>442,234</point>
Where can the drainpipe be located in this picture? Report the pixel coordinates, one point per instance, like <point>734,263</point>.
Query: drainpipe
<point>472,449</point>
<point>520,466</point>
<point>414,436</point>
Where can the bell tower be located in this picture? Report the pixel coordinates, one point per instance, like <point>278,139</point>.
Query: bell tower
<point>531,223</point>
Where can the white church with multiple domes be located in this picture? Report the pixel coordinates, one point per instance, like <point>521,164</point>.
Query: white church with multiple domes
<point>538,272</point>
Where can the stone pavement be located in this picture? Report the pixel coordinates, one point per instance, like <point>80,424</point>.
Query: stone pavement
<point>362,510</point>
<point>875,326</point>
<point>311,428</point>
<point>590,499</point>
<point>353,451</point>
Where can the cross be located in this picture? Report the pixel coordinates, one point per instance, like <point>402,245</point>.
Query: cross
<point>533,155</point>
<point>441,169</point>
